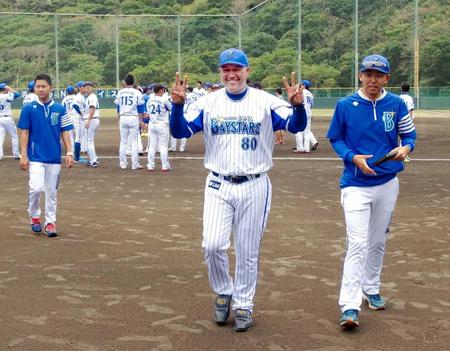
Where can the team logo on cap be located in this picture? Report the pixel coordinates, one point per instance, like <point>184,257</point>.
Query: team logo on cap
<point>388,119</point>
<point>230,54</point>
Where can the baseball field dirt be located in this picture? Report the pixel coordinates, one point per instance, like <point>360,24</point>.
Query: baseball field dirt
<point>127,270</point>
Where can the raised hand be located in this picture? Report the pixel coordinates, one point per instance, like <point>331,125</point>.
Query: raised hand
<point>178,94</point>
<point>294,91</point>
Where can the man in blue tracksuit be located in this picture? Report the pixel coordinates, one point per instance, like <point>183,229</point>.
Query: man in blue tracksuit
<point>366,126</point>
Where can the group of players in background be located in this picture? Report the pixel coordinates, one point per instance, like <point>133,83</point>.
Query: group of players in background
<point>83,106</point>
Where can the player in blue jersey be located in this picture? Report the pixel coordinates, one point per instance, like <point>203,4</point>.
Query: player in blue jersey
<point>44,122</point>
<point>238,124</point>
<point>366,126</point>
<point>7,125</point>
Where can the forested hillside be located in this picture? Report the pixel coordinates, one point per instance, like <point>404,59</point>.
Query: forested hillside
<point>148,46</point>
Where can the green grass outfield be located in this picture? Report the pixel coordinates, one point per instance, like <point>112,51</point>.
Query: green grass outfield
<point>320,113</point>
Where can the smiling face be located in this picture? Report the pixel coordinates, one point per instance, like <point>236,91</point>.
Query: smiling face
<point>234,77</point>
<point>42,89</point>
<point>373,82</point>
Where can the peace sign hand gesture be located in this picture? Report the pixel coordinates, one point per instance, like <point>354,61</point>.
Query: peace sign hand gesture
<point>294,92</point>
<point>178,94</point>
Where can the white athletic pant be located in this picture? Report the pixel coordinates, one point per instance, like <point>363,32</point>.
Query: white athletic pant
<point>129,131</point>
<point>306,138</point>
<point>90,138</point>
<point>7,125</point>
<point>77,131</point>
<point>242,209</point>
<point>368,212</point>
<point>173,143</point>
<point>158,136</point>
<point>139,143</point>
<point>44,177</point>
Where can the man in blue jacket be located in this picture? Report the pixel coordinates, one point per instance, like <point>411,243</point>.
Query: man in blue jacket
<point>366,126</point>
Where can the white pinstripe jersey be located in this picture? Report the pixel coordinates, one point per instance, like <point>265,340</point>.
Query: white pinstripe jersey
<point>68,103</point>
<point>29,98</point>
<point>79,98</point>
<point>309,101</point>
<point>128,100</point>
<point>238,134</point>
<point>158,108</point>
<point>5,103</point>
<point>91,101</point>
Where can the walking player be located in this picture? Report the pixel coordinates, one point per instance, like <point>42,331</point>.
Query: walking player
<point>238,123</point>
<point>7,125</point>
<point>366,126</point>
<point>43,123</point>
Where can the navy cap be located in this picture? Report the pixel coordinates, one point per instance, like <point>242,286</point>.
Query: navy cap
<point>207,85</point>
<point>306,83</point>
<point>31,85</point>
<point>2,86</point>
<point>70,89</point>
<point>79,84</point>
<point>88,83</point>
<point>375,62</point>
<point>233,56</point>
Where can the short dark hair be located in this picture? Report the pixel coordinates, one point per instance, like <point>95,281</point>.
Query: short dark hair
<point>190,89</point>
<point>405,87</point>
<point>257,85</point>
<point>129,79</point>
<point>45,77</point>
<point>279,91</point>
<point>157,88</point>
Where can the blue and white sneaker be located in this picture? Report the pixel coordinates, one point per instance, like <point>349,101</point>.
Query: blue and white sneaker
<point>94,164</point>
<point>375,301</point>
<point>349,319</point>
<point>36,225</point>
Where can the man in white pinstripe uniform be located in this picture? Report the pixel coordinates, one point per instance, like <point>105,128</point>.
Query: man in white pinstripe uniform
<point>238,124</point>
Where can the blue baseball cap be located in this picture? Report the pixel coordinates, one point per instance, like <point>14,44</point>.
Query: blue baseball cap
<point>70,89</point>
<point>2,86</point>
<point>306,83</point>
<point>31,85</point>
<point>375,62</point>
<point>233,56</point>
<point>79,84</point>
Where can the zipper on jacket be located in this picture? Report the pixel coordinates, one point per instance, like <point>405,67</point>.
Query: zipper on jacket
<point>374,105</point>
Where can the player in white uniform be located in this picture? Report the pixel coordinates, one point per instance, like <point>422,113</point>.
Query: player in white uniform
<point>44,122</point>
<point>408,100</point>
<point>158,108</point>
<point>91,120</point>
<point>191,97</point>
<point>70,102</point>
<point>306,140</point>
<point>7,125</point>
<point>31,96</point>
<point>130,107</point>
<point>198,90</point>
<point>238,123</point>
<point>80,134</point>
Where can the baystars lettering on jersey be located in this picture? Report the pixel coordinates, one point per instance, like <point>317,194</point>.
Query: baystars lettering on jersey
<point>245,127</point>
